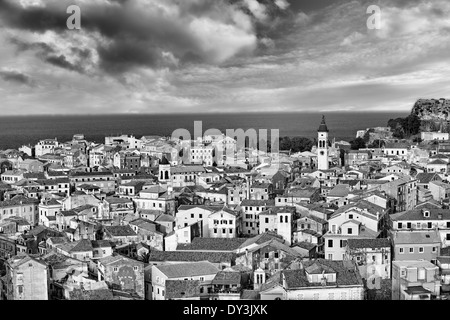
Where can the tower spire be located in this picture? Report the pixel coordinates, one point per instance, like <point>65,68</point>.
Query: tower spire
<point>323,126</point>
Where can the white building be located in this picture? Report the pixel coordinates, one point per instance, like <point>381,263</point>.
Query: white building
<point>429,136</point>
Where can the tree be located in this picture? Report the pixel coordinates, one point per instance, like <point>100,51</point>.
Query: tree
<point>376,144</point>
<point>296,144</point>
<point>300,144</point>
<point>145,257</point>
<point>367,137</point>
<point>285,143</point>
<point>357,144</point>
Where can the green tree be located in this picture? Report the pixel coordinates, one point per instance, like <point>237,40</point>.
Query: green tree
<point>285,143</point>
<point>301,144</point>
<point>145,257</point>
<point>376,144</point>
<point>357,144</point>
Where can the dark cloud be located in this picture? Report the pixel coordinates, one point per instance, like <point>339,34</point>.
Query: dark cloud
<point>40,47</point>
<point>61,61</point>
<point>15,76</point>
<point>137,33</point>
<point>32,18</point>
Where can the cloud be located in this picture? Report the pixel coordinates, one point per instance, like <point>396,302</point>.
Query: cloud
<point>15,76</point>
<point>354,37</point>
<point>222,56</point>
<point>282,4</point>
<point>129,34</point>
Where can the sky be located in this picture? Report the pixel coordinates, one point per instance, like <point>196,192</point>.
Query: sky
<point>215,56</point>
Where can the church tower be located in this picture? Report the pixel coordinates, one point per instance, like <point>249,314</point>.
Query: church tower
<point>322,150</point>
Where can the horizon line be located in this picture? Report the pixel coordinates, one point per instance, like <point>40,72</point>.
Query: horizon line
<point>194,113</point>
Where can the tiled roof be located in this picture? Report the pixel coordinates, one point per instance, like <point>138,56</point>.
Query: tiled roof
<point>418,214</point>
<point>437,162</point>
<point>188,207</point>
<point>85,174</point>
<point>115,200</point>
<point>339,191</point>
<point>262,238</point>
<point>212,244</point>
<point>368,243</point>
<point>250,295</point>
<point>82,246</point>
<point>165,218</point>
<point>227,278</point>
<point>305,245</point>
<point>68,213</point>
<point>191,256</point>
<point>274,244</point>
<point>17,201</point>
<point>301,193</point>
<point>177,289</point>
<point>257,203</point>
<point>120,231</point>
<point>362,205</point>
<point>425,177</point>
<point>101,244</point>
<point>416,237</point>
<point>193,269</point>
<point>345,275</point>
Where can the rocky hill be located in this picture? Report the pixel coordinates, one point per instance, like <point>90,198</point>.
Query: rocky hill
<point>434,114</point>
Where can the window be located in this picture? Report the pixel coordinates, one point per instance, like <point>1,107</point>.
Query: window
<point>192,215</point>
<point>266,255</point>
<point>399,225</point>
<point>349,230</point>
<point>224,230</point>
<point>420,250</point>
<point>433,250</point>
<point>115,269</point>
<point>401,250</point>
<point>215,230</point>
<point>411,250</point>
<point>408,225</point>
<point>276,255</point>
<point>430,225</point>
<point>330,243</point>
<point>350,216</point>
<point>135,268</point>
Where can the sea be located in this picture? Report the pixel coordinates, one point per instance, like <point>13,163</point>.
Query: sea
<point>16,131</point>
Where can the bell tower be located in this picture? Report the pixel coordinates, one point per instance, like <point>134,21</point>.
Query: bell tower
<point>322,148</point>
